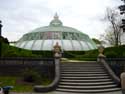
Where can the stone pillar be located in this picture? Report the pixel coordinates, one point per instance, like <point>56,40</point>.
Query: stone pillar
<point>101,51</point>
<point>123,82</point>
<point>57,51</point>
<point>101,54</point>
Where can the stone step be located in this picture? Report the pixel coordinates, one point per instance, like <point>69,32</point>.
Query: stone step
<point>78,65</point>
<point>82,65</point>
<point>83,75</point>
<point>102,72</point>
<point>86,81</point>
<point>90,67</point>
<point>88,91</point>
<point>83,70</point>
<point>86,84</point>
<point>87,87</point>
<point>83,62</point>
<point>85,78</point>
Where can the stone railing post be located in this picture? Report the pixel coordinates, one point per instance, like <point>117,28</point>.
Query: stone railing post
<point>123,82</point>
<point>101,51</point>
<point>101,54</point>
<point>57,51</point>
<point>102,59</point>
<point>53,85</point>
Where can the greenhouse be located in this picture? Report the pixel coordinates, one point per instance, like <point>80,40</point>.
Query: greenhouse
<point>44,38</point>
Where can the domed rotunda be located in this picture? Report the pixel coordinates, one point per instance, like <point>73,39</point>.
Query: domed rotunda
<point>44,38</point>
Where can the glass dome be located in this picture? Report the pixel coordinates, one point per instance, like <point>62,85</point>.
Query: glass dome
<point>44,38</point>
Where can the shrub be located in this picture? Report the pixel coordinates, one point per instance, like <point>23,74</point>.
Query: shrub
<point>44,54</point>
<point>11,51</point>
<point>32,76</point>
<point>111,54</point>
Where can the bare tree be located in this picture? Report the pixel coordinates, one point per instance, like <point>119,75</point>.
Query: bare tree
<point>113,32</point>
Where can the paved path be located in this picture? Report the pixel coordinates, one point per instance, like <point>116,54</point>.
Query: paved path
<point>55,92</point>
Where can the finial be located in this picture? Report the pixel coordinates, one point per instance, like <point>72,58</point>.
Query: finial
<point>56,16</point>
<point>55,21</point>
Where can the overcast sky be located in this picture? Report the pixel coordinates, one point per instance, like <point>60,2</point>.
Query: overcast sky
<point>21,16</point>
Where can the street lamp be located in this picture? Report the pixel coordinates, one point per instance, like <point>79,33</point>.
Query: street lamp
<point>0,27</point>
<point>0,37</point>
<point>122,11</point>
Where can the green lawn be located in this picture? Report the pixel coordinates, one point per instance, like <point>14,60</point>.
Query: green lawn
<point>18,85</point>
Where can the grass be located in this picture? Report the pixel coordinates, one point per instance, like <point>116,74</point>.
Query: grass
<point>46,82</point>
<point>18,86</point>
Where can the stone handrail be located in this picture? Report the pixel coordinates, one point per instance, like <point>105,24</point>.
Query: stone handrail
<point>52,86</point>
<point>109,70</point>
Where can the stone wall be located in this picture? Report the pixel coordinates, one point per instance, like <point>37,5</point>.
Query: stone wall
<point>117,65</point>
<point>15,67</point>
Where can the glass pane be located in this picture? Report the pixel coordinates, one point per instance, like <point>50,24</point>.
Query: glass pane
<point>76,45</point>
<point>29,45</point>
<point>37,45</point>
<point>47,45</point>
<point>47,35</point>
<point>65,35</point>
<point>67,45</point>
<point>57,35</point>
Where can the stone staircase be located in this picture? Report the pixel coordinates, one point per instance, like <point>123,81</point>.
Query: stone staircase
<point>85,77</point>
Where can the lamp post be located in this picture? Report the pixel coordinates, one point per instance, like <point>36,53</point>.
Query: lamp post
<point>0,28</point>
<point>122,12</point>
<point>0,36</point>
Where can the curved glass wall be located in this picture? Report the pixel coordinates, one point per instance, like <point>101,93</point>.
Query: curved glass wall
<point>54,35</point>
<point>44,38</point>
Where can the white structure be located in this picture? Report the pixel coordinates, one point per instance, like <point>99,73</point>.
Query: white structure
<point>44,38</point>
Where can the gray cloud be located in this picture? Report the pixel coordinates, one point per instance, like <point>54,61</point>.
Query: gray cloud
<point>22,16</point>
